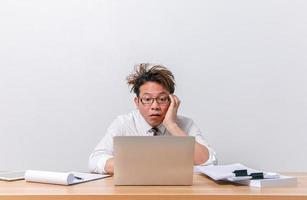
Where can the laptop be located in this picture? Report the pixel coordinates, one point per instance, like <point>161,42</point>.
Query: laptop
<point>159,160</point>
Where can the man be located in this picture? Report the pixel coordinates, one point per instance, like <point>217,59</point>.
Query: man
<point>156,114</point>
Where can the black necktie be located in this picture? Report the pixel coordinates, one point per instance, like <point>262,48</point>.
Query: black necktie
<point>155,131</point>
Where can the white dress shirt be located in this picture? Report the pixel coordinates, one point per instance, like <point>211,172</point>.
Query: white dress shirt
<point>133,124</point>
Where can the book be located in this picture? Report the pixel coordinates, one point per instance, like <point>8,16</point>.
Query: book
<point>61,178</point>
<point>225,173</point>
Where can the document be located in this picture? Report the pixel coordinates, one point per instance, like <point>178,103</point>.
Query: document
<point>226,173</point>
<point>61,178</point>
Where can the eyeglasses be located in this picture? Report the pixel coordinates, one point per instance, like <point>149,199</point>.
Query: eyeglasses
<point>163,100</point>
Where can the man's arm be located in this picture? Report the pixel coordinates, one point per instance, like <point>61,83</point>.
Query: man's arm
<point>201,153</point>
<point>101,159</point>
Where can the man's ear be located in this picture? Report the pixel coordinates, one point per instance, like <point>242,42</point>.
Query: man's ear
<point>136,101</point>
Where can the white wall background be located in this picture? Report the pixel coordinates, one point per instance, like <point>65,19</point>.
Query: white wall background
<point>240,68</point>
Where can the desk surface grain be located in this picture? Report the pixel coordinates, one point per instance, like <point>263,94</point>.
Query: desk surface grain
<point>202,188</point>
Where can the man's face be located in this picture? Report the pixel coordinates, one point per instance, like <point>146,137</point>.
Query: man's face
<point>153,102</point>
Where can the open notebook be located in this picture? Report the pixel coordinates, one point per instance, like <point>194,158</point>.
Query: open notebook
<point>61,178</point>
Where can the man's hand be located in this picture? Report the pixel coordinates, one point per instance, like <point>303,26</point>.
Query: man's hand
<point>170,118</point>
<point>109,167</point>
<point>201,153</point>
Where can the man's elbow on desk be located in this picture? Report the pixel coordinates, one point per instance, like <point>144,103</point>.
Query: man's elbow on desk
<point>201,154</point>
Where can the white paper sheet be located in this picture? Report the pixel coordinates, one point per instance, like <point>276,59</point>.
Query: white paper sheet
<point>224,172</point>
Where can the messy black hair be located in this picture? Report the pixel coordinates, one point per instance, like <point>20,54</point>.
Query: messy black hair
<point>146,72</point>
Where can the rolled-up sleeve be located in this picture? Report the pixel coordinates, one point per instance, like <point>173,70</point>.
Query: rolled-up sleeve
<point>104,149</point>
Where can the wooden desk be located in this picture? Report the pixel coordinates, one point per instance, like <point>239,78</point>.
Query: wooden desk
<point>203,188</point>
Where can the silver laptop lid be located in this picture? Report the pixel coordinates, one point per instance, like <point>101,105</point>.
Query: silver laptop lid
<point>159,160</point>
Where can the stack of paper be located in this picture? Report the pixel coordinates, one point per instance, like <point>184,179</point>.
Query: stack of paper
<point>225,173</point>
<point>60,178</point>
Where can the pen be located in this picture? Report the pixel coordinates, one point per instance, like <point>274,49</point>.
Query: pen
<point>79,178</point>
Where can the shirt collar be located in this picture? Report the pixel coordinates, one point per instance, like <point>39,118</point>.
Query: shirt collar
<point>161,128</point>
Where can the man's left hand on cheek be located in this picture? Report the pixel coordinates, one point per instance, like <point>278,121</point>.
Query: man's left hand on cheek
<point>170,119</point>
